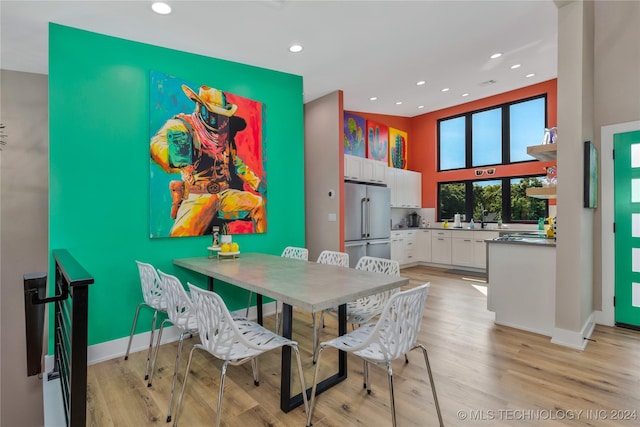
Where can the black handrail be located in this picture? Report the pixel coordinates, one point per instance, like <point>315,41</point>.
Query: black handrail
<point>70,334</point>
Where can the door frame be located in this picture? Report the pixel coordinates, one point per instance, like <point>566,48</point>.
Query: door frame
<point>606,316</point>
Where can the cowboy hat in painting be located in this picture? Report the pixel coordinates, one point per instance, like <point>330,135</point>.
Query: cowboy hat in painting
<point>212,99</point>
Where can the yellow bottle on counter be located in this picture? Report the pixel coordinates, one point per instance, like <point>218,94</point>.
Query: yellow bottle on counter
<point>446,224</point>
<point>550,233</point>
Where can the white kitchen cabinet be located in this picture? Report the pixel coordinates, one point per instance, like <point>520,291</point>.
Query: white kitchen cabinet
<point>441,246</point>
<point>480,247</point>
<point>352,167</point>
<point>398,250</point>
<point>364,170</point>
<point>406,188</point>
<point>423,246</point>
<point>462,248</point>
<point>411,241</point>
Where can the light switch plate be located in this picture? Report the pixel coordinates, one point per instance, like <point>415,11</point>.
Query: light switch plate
<point>332,217</point>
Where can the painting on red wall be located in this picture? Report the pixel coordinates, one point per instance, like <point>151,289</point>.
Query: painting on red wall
<point>207,155</point>
<point>397,148</point>
<point>377,141</point>
<point>354,129</point>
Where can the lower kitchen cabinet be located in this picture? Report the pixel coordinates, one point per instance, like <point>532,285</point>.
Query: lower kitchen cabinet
<point>398,249</point>
<point>441,246</point>
<point>423,245</point>
<point>462,248</point>
<point>480,247</point>
<point>410,245</point>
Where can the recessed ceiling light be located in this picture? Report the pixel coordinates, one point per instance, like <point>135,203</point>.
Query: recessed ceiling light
<point>514,66</point>
<point>446,89</point>
<point>373,98</point>
<point>496,55</point>
<point>530,75</point>
<point>161,8</point>
<point>295,48</point>
<point>465,94</point>
<point>399,103</point>
<point>420,83</point>
<point>420,106</point>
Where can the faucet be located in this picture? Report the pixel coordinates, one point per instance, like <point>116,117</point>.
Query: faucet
<point>483,214</point>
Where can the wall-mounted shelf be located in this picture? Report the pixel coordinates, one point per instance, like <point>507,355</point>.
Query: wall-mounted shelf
<point>544,152</point>
<point>542,192</point>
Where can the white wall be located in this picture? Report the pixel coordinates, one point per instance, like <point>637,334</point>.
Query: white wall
<point>323,173</point>
<point>23,234</point>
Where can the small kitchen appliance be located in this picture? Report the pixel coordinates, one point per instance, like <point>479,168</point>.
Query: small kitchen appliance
<point>413,220</point>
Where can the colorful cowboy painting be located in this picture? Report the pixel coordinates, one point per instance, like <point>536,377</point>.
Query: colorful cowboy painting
<point>207,160</point>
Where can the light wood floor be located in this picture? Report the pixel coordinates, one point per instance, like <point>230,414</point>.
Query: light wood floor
<point>485,375</point>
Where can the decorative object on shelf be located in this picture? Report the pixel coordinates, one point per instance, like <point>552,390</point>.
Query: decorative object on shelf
<point>551,179</point>
<point>397,148</point>
<point>353,135</point>
<point>377,141</point>
<point>550,135</point>
<point>590,175</point>
<point>215,233</point>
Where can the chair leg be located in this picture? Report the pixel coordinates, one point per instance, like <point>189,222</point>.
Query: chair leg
<point>313,388</point>
<point>222,376</point>
<point>393,402</point>
<point>133,329</point>
<point>175,374</point>
<point>303,387</point>
<point>246,314</point>
<point>433,385</point>
<point>149,353</point>
<point>316,337</point>
<point>155,353</point>
<point>256,371</point>
<point>406,359</point>
<point>184,385</point>
<point>367,386</point>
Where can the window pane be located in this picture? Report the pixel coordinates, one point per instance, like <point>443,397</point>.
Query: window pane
<point>452,143</point>
<point>527,127</point>
<point>525,208</point>
<point>487,137</point>
<point>487,200</point>
<point>452,200</point>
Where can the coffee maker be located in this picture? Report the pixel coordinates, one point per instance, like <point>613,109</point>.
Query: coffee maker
<point>413,220</point>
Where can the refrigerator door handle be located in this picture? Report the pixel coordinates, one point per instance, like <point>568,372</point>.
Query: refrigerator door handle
<point>379,242</point>
<point>363,223</point>
<point>368,217</point>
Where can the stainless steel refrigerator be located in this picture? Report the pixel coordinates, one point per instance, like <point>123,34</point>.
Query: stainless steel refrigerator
<point>367,225</point>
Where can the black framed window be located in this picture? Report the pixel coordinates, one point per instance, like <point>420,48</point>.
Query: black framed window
<point>497,135</point>
<point>492,200</point>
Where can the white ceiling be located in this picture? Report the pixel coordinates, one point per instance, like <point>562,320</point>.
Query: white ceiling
<point>365,48</point>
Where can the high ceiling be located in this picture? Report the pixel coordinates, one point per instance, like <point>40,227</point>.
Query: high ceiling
<point>364,48</point>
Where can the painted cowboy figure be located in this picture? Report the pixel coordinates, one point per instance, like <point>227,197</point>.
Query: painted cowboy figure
<point>201,147</point>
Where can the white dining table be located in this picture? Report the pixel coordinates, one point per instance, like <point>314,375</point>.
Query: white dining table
<point>306,285</point>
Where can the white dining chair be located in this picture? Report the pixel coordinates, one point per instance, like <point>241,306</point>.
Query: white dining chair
<point>182,315</point>
<point>332,258</point>
<point>292,252</point>
<point>234,341</point>
<point>394,334</point>
<point>152,297</point>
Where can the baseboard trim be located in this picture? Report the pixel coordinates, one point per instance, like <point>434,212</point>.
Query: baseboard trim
<point>573,339</point>
<point>113,349</point>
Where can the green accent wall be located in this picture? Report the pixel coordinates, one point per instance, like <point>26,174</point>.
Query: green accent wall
<point>99,166</point>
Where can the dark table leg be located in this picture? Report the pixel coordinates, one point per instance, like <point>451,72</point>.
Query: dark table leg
<point>210,283</point>
<point>259,307</point>
<point>288,402</point>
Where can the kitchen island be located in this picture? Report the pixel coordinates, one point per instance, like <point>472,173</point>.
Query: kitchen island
<point>521,281</point>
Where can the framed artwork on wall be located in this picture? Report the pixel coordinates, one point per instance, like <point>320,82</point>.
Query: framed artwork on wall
<point>397,148</point>
<point>207,155</point>
<point>353,135</point>
<point>590,175</point>
<point>377,141</point>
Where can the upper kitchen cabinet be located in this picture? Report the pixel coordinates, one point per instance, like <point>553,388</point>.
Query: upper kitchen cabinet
<point>406,188</point>
<point>364,170</point>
